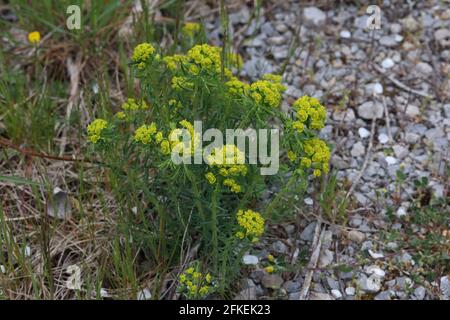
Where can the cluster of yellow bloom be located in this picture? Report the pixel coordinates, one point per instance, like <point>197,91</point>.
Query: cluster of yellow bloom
<point>132,105</point>
<point>309,112</point>
<point>194,284</point>
<point>34,37</point>
<point>229,163</point>
<point>180,146</point>
<point>179,83</point>
<point>237,88</point>
<point>144,53</point>
<point>251,223</point>
<point>144,133</point>
<point>318,156</point>
<point>235,60</point>
<point>267,91</point>
<point>95,129</point>
<point>190,29</point>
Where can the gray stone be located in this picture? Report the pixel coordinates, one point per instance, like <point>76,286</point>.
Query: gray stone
<point>412,111</point>
<point>368,110</point>
<point>320,296</point>
<point>442,36</point>
<point>292,286</point>
<point>387,63</point>
<point>358,150</point>
<point>280,247</point>
<point>314,16</point>
<point>346,116</point>
<point>357,236</point>
<point>246,294</point>
<point>326,258</point>
<point>385,295</point>
<point>419,293</point>
<point>336,294</point>
<point>400,151</point>
<point>332,283</point>
<point>388,41</point>
<point>424,68</point>
<point>350,291</point>
<point>411,137</point>
<point>277,40</point>
<point>369,284</point>
<point>249,259</point>
<point>445,287</point>
<point>308,233</point>
<point>272,281</point>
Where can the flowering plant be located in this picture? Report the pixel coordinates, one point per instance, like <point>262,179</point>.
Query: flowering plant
<point>213,203</point>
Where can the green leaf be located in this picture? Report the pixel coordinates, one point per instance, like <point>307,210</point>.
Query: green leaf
<point>18,180</point>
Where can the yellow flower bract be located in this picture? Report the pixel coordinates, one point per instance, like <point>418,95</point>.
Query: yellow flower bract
<point>34,37</point>
<point>95,129</point>
<point>251,223</point>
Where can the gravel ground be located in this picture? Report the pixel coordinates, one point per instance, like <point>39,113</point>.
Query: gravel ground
<point>388,97</point>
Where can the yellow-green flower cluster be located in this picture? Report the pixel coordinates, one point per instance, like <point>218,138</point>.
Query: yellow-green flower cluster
<point>251,225</point>
<point>237,88</point>
<point>268,91</point>
<point>142,54</point>
<point>206,57</point>
<point>179,83</point>
<point>95,129</point>
<point>194,284</point>
<point>132,105</point>
<point>310,113</point>
<point>145,133</point>
<point>180,146</point>
<point>228,162</point>
<point>317,156</point>
<point>172,62</point>
<point>190,29</point>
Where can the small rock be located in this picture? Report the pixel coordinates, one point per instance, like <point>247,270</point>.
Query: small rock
<point>308,233</point>
<point>369,284</point>
<point>390,160</point>
<point>308,201</point>
<point>144,294</point>
<point>363,133</point>
<point>412,111</point>
<point>345,34</point>
<point>276,41</point>
<point>357,236</point>
<point>383,138</point>
<point>400,151</point>
<point>385,295</point>
<point>292,286</point>
<point>411,137</point>
<point>401,212</point>
<point>368,110</point>
<point>320,296</point>
<point>2,269</point>
<point>336,293</point>
<point>445,287</point>
<point>442,36</point>
<point>373,269</point>
<point>388,41</point>
<point>419,293</point>
<point>280,247</point>
<point>424,68</point>
<point>358,149</point>
<point>387,63</point>
<point>346,116</point>
<point>375,255</point>
<point>246,294</point>
<point>249,259</point>
<point>272,281</point>
<point>314,16</point>
<point>350,291</point>
<point>326,258</point>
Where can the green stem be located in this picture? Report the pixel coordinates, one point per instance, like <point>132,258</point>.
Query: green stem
<point>279,196</point>
<point>214,238</point>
